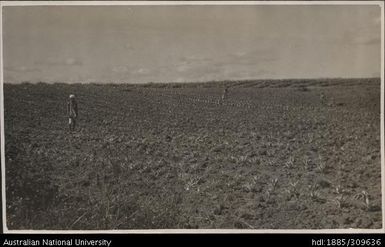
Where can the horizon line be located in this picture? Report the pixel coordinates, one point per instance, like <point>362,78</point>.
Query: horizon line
<point>193,82</point>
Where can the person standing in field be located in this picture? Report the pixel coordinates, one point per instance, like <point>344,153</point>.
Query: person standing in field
<point>224,93</point>
<point>72,110</point>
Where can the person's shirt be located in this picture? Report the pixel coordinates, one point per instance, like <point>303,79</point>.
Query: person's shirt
<point>72,108</point>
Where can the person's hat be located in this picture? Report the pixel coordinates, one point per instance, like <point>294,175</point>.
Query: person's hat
<point>72,96</point>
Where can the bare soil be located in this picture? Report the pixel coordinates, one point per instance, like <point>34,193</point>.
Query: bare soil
<point>288,154</point>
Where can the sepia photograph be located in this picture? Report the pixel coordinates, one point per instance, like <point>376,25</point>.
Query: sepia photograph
<point>186,116</point>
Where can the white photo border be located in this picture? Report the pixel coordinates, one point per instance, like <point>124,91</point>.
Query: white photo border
<point>186,3</point>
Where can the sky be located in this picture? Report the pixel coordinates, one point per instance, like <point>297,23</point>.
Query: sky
<point>138,44</point>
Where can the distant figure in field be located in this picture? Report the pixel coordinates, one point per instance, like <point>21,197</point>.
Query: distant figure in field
<point>72,110</point>
<point>224,93</point>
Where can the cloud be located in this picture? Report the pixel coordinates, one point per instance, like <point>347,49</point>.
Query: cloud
<point>239,54</point>
<point>366,40</point>
<point>69,61</point>
<point>72,61</point>
<point>120,69</point>
<point>126,70</point>
<point>20,69</point>
<point>191,59</point>
<point>241,63</point>
<point>142,71</point>
<point>183,67</point>
<point>251,57</point>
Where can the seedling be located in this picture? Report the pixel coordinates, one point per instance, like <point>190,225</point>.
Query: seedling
<point>340,200</point>
<point>306,162</point>
<point>363,196</point>
<point>321,165</point>
<point>339,189</point>
<point>314,193</point>
<point>292,190</point>
<point>273,183</point>
<point>271,187</point>
<point>289,164</point>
